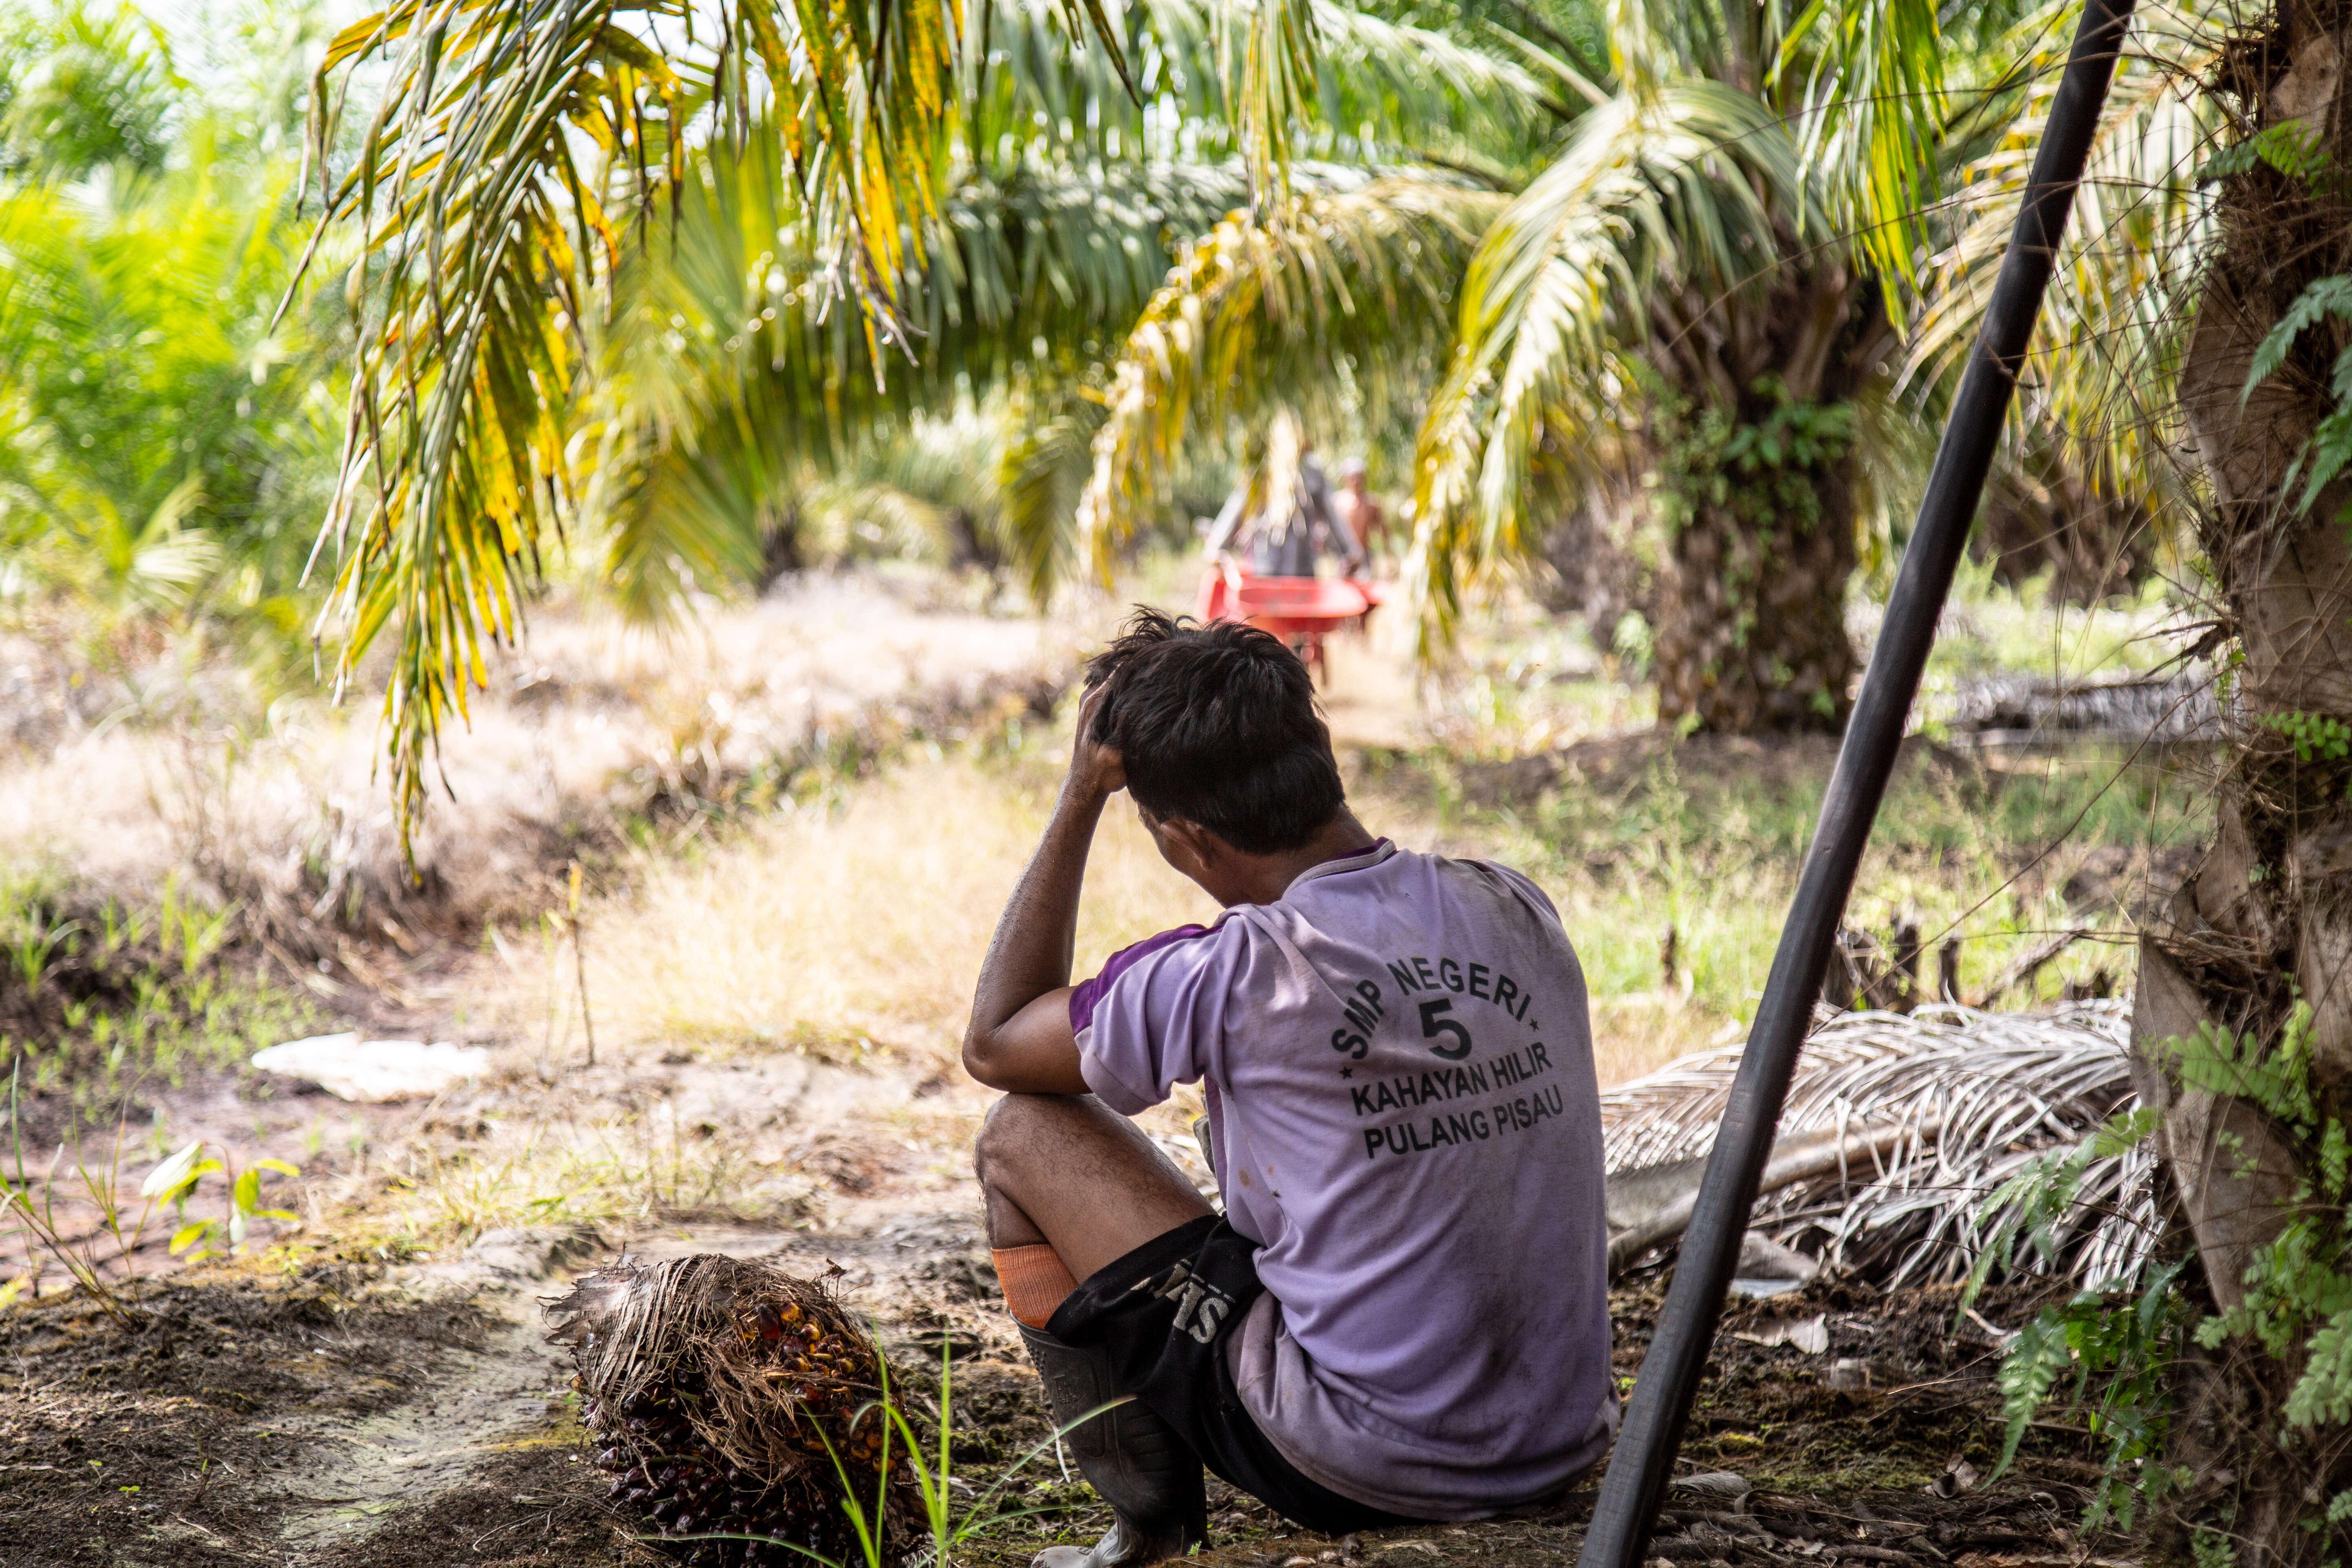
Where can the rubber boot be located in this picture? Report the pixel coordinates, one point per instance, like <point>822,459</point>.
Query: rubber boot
<point>1147,1474</point>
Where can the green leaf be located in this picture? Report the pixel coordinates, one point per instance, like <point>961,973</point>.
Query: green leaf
<point>2221,1061</point>
<point>2329,448</point>
<point>189,1234</point>
<point>2293,148</point>
<point>246,1192</point>
<point>2229,160</point>
<point>2323,1394</point>
<point>2210,1548</point>
<point>2026,1374</point>
<point>2322,298</point>
<point>2122,1134</point>
<point>174,1175</point>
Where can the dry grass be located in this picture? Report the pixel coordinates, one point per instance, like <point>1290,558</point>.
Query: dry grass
<point>1641,1033</point>
<point>846,926</point>
<point>858,922</point>
<point>637,1142</point>
<point>839,927</point>
<point>171,772</point>
<point>836,931</point>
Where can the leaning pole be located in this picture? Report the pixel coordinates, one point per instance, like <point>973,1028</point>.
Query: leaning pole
<point>1639,1470</point>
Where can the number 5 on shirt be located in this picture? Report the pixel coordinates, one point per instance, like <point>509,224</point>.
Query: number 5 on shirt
<point>1433,1025</point>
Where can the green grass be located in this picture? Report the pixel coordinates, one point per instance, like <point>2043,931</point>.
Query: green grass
<point>99,999</point>
<point>1523,681</point>
<point>1987,629</point>
<point>174,1026</point>
<point>1714,856</point>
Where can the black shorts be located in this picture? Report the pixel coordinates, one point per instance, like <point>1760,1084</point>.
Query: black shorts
<point>1163,1312</point>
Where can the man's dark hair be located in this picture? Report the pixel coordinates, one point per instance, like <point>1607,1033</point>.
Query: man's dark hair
<point>1217,725</point>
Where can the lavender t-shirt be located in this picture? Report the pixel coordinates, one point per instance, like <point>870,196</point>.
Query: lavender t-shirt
<point>1398,1075</point>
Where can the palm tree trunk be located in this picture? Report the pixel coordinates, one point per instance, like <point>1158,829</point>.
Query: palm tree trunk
<point>1751,634</point>
<point>1752,437</point>
<point>2264,926</point>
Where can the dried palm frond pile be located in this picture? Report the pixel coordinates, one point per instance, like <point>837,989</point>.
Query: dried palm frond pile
<point>2018,709</point>
<point>1939,1110</point>
<point>721,1392</point>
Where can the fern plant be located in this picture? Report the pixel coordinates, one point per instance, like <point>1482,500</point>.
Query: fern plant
<point>2316,737</point>
<point>2107,1352</point>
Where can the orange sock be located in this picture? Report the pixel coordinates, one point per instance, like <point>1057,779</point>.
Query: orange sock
<point>1035,1281</point>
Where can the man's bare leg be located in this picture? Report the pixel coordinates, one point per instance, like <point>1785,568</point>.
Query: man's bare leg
<point>1068,1177</point>
<point>1067,1172</point>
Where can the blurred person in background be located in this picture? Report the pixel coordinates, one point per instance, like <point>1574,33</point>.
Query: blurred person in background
<point>1358,510</point>
<point>1280,518</point>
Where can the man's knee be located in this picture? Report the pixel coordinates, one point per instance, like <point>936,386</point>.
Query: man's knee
<point>1010,1123</point>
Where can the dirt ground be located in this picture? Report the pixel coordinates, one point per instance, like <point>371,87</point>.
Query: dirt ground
<point>393,1404</point>
<point>386,1413</point>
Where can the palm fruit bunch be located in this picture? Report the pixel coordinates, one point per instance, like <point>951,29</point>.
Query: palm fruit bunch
<point>718,1394</point>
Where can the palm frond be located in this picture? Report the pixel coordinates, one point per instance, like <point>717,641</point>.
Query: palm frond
<point>1974,1097</point>
<point>730,376</point>
<point>1274,48</point>
<point>1262,314</point>
<point>1040,475</point>
<point>1690,183</point>
<point>1369,89</point>
<point>480,210</point>
<point>1868,81</point>
<point>1862,81</point>
<point>1034,89</point>
<point>514,144</point>
<point>1410,86</point>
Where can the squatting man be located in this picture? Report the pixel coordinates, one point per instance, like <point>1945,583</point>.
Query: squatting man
<point>1401,1313</point>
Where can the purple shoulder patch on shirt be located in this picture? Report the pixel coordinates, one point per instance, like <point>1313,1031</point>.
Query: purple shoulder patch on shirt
<point>1086,993</point>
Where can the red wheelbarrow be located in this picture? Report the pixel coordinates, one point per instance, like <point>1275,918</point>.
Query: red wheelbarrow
<point>1301,611</point>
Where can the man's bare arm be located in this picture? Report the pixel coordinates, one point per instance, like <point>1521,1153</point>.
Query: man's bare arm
<point>1019,1039</point>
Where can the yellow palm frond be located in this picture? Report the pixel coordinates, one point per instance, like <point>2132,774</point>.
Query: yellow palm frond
<point>514,145</point>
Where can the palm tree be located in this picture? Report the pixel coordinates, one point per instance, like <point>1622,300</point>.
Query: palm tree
<point>80,89</point>
<point>1695,286</point>
<point>2251,959</point>
<point>161,434</point>
<point>651,267</point>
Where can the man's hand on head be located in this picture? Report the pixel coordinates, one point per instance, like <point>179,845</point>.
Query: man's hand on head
<point>1098,771</point>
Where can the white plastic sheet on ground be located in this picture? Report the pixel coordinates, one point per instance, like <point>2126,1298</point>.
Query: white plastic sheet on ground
<point>374,1070</point>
